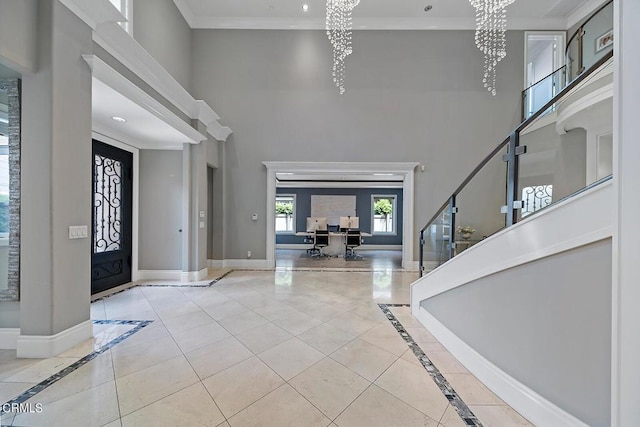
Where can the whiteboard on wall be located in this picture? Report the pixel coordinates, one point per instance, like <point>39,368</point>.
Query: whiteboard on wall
<point>332,207</point>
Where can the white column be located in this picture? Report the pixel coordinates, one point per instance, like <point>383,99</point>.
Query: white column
<point>625,410</point>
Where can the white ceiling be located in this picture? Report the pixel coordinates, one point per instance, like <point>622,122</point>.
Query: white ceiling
<point>375,14</point>
<point>142,129</point>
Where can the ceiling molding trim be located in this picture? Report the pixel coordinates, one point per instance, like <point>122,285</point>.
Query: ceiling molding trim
<point>583,11</point>
<point>186,11</point>
<point>346,184</point>
<point>94,12</point>
<point>141,144</point>
<point>204,22</point>
<point>115,40</point>
<point>210,119</point>
<point>310,168</point>
<point>103,72</point>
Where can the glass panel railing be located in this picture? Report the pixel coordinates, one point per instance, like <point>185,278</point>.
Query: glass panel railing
<point>591,42</point>
<point>597,36</point>
<point>436,240</point>
<point>569,149</point>
<point>537,95</point>
<point>573,59</point>
<point>479,204</point>
<point>561,149</point>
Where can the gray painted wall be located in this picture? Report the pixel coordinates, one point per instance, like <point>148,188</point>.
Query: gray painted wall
<point>363,211</point>
<point>18,32</point>
<point>160,28</point>
<point>571,164</point>
<point>546,323</point>
<point>56,176</point>
<point>216,213</point>
<point>160,242</point>
<point>411,96</point>
<point>9,314</point>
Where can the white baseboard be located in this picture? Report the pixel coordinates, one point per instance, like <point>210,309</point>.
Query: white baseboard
<point>379,248</point>
<point>534,407</point>
<point>305,246</point>
<point>299,246</point>
<point>411,265</point>
<point>9,338</point>
<point>215,263</point>
<point>246,263</point>
<point>160,274</point>
<point>46,346</point>
<point>193,276</point>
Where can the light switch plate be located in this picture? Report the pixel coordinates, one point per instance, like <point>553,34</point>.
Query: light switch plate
<point>201,214</point>
<point>78,232</point>
<point>201,224</point>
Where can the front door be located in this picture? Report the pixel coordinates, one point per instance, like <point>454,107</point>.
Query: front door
<point>112,203</point>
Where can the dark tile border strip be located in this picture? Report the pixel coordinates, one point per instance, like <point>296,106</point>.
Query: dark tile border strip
<point>139,324</point>
<point>454,399</point>
<point>211,283</point>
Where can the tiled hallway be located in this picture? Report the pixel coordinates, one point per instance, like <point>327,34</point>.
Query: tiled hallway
<point>257,348</point>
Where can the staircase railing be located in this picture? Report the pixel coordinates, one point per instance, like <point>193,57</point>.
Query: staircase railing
<point>588,44</point>
<point>524,185</point>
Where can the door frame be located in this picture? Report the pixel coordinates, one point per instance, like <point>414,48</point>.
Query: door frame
<point>135,271</point>
<point>407,170</point>
<point>560,55</point>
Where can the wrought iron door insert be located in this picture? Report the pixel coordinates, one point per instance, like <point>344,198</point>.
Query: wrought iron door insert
<point>112,202</point>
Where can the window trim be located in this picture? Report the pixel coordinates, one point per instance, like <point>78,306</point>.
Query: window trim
<point>394,202</point>
<point>293,216</point>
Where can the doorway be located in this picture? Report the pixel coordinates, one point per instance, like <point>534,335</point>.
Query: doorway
<point>111,217</point>
<point>544,75</point>
<point>342,172</point>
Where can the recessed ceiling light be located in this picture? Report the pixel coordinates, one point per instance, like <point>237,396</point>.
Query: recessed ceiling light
<point>305,7</point>
<point>428,7</point>
<point>119,119</point>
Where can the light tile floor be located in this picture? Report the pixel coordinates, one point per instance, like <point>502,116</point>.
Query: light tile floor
<point>258,348</point>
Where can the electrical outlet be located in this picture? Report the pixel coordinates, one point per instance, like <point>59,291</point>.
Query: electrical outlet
<point>248,254</point>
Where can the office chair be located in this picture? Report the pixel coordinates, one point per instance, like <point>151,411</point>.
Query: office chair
<point>310,240</point>
<point>353,240</point>
<point>320,240</point>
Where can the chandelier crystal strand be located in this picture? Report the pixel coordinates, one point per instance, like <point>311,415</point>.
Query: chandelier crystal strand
<point>491,27</point>
<point>338,25</point>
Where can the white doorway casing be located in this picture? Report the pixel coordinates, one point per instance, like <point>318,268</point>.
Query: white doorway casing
<point>331,169</point>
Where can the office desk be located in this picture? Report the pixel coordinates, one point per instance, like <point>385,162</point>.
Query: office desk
<point>336,242</point>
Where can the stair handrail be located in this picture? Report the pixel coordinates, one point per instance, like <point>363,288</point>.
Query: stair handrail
<point>510,139</point>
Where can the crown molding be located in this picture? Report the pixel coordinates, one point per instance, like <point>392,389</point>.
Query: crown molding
<point>94,12</point>
<point>342,167</point>
<point>103,18</point>
<point>583,11</point>
<point>206,22</point>
<point>186,12</point>
<point>103,72</point>
<point>115,40</point>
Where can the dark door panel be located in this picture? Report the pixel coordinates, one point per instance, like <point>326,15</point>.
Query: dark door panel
<point>112,217</point>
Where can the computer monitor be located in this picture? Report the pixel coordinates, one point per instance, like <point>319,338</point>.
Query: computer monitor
<point>348,222</point>
<point>314,224</point>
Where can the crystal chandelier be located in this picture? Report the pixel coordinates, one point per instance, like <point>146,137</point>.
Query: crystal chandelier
<point>339,33</point>
<point>491,26</point>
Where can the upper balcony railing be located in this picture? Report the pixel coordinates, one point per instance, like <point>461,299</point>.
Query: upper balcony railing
<point>546,159</point>
<point>588,44</point>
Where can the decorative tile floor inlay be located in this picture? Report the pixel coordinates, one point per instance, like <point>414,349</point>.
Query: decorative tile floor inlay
<point>137,326</point>
<point>454,399</point>
<point>168,284</point>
